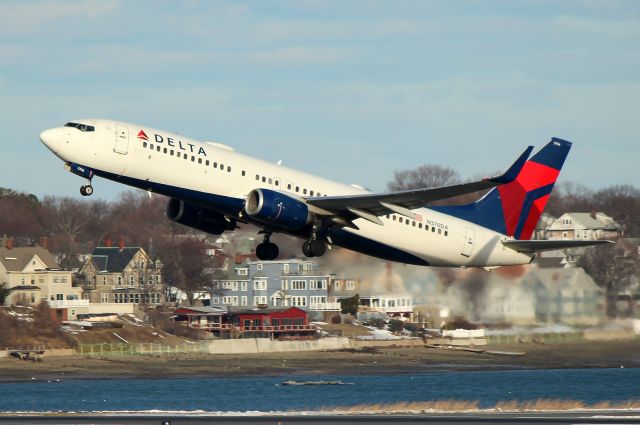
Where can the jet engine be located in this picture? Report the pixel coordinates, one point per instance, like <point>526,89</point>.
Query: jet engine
<point>271,207</point>
<point>197,217</point>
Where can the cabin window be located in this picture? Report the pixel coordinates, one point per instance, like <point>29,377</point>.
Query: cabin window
<point>158,148</point>
<point>394,217</point>
<point>297,188</point>
<point>433,229</point>
<point>221,167</point>
<point>269,181</point>
<point>193,158</point>
<point>243,173</point>
<point>164,150</point>
<point>206,163</point>
<point>408,222</point>
<point>199,160</point>
<point>304,191</point>
<point>264,179</point>
<point>215,165</point>
<point>400,219</point>
<point>446,233</point>
<point>151,146</point>
<point>171,152</point>
<point>289,186</point>
<point>144,145</point>
<point>185,156</point>
<point>439,231</point>
<point>257,177</point>
<point>228,168</point>
<point>413,223</point>
<point>420,225</point>
<point>311,193</point>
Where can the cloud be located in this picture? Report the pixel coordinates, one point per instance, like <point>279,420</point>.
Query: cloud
<point>298,56</point>
<point>608,28</point>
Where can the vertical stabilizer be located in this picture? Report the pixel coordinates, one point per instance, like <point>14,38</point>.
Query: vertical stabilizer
<point>514,208</point>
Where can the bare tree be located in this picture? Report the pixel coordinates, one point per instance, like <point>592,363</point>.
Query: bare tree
<point>613,269</point>
<point>427,175</point>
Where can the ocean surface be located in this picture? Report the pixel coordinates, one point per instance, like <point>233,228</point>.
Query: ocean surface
<point>267,394</point>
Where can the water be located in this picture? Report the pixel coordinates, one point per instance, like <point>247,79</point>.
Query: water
<point>266,394</point>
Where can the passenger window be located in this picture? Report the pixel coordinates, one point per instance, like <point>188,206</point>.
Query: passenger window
<point>144,145</point>
<point>257,177</point>
<point>215,165</point>
<point>186,156</point>
<point>243,173</point>
<point>206,163</point>
<point>199,160</point>
<point>171,152</point>
<point>400,219</point>
<point>221,167</point>
<point>228,169</point>
<point>439,231</point>
<point>297,188</point>
<point>413,223</point>
<point>158,148</point>
<point>288,186</point>
<point>164,150</point>
<point>304,191</point>
<point>446,233</point>
<point>311,193</point>
<point>264,179</point>
<point>394,217</point>
<point>193,158</point>
<point>269,181</point>
<point>151,146</point>
<point>277,183</point>
<point>433,229</point>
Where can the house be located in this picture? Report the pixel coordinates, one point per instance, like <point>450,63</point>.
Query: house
<point>234,322</point>
<point>568,296</point>
<point>280,283</point>
<point>33,275</point>
<point>121,275</point>
<point>372,299</point>
<point>584,226</point>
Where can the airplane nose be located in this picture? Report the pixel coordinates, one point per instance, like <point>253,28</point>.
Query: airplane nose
<point>51,138</point>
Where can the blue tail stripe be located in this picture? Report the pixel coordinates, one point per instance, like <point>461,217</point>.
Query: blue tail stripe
<point>529,199</point>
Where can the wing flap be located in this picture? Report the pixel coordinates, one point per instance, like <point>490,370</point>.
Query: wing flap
<point>531,246</point>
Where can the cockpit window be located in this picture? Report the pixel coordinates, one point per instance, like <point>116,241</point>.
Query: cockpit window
<point>81,127</point>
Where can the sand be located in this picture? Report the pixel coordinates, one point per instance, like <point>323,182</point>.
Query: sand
<point>378,360</point>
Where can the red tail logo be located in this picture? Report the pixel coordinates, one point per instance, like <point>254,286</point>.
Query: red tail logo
<point>142,135</point>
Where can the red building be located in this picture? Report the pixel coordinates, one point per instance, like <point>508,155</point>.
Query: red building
<point>274,323</point>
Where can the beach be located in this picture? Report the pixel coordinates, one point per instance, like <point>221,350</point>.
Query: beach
<point>395,359</point>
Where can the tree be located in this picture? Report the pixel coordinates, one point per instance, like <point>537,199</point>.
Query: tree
<point>427,175</point>
<point>613,269</point>
<point>4,292</point>
<point>187,266</point>
<point>350,305</point>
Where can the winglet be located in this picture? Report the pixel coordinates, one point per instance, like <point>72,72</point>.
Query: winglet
<point>512,173</point>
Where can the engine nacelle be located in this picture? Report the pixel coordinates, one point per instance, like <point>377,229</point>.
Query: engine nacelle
<point>277,208</point>
<point>199,218</point>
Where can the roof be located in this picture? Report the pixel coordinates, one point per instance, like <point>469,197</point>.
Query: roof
<point>201,310</point>
<point>113,259</point>
<point>16,259</point>
<point>588,220</point>
<point>269,310</point>
<point>25,288</point>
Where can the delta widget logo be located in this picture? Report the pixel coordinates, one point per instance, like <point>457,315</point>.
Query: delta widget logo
<point>143,136</point>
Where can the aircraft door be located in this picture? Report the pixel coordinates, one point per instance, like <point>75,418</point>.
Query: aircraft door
<point>122,139</point>
<point>469,237</point>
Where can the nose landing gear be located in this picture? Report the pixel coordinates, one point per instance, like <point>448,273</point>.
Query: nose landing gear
<point>86,190</point>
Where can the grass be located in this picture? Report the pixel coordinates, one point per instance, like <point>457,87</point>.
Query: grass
<point>469,406</point>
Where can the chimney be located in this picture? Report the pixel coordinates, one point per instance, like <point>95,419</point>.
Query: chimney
<point>9,243</point>
<point>238,258</point>
<point>121,243</point>
<point>108,242</point>
<point>593,215</point>
<point>44,242</point>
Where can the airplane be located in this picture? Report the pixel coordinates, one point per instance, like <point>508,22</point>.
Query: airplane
<point>212,188</point>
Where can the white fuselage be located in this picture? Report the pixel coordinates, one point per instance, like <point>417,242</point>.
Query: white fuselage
<point>177,166</point>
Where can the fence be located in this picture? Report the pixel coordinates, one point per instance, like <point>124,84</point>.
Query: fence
<point>100,350</point>
<point>548,338</point>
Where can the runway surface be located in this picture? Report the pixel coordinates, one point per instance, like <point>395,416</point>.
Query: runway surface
<point>600,417</point>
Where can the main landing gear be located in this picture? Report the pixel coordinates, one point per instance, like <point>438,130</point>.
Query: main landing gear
<point>267,250</point>
<point>86,190</point>
<point>314,248</point>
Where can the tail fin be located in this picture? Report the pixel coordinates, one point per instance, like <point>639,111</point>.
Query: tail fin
<point>514,209</point>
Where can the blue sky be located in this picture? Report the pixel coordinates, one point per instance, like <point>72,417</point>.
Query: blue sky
<point>351,90</point>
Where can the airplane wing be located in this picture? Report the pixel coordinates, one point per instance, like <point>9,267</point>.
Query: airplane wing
<point>531,246</point>
<point>372,205</point>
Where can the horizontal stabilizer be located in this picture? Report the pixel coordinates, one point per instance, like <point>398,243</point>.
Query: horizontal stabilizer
<point>531,246</point>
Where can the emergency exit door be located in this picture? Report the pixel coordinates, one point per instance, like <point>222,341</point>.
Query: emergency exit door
<point>469,236</point>
<point>122,139</point>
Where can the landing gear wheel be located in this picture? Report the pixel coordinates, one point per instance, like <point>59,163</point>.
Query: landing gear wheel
<point>86,190</point>
<point>306,249</point>
<point>314,248</point>
<point>317,248</point>
<point>267,251</point>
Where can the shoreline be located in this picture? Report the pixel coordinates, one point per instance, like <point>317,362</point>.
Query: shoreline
<point>381,360</point>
